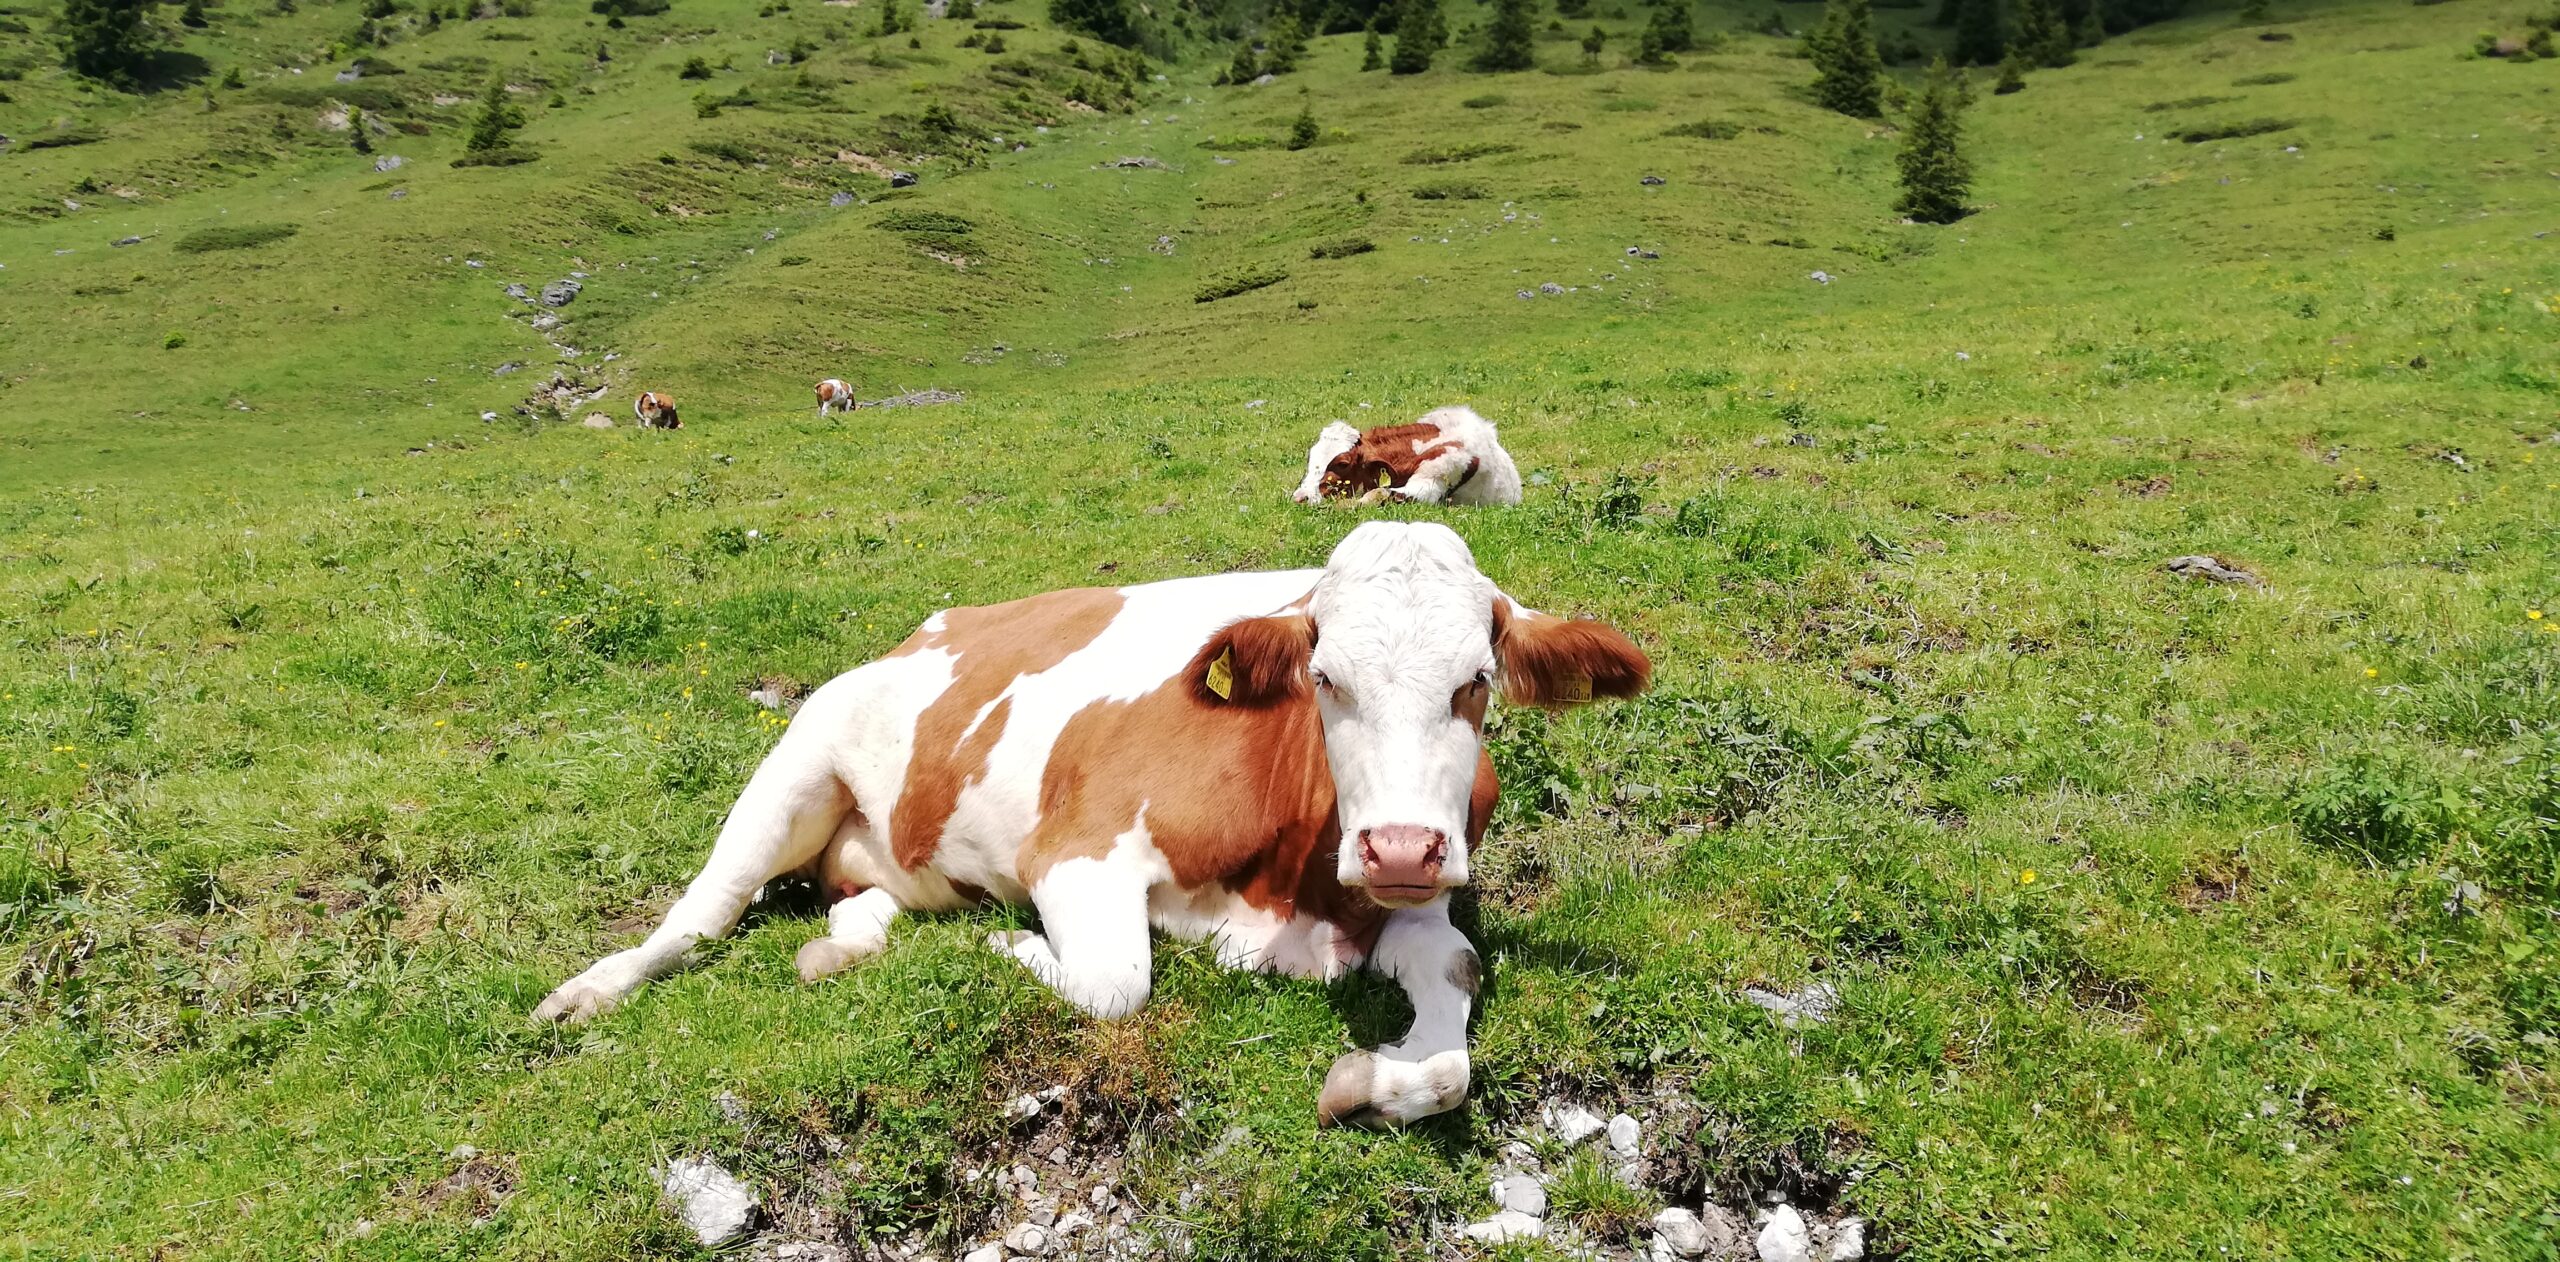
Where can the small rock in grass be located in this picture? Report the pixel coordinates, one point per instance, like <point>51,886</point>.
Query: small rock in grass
<point>1849,1240</point>
<point>595,420</point>
<point>1784,1238</point>
<point>840,200</point>
<point>560,293</point>
<point>732,1109</point>
<point>1030,1240</point>
<point>1550,289</point>
<point>1820,278</point>
<point>1520,1194</point>
<point>128,241</point>
<point>1677,1233</point>
<point>984,1253</point>
<point>1015,1109</point>
<point>902,179</point>
<point>711,1200</point>
<point>1510,1224</point>
<point>389,162</point>
<point>1810,1006</point>
<point>1653,181</point>
<point>2211,569</point>
<point>1626,1135</point>
<point>1573,1123</point>
<point>519,293</point>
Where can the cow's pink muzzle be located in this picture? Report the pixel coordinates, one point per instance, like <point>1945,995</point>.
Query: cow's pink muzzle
<point>1401,862</point>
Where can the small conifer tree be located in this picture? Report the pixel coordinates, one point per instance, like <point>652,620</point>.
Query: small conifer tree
<point>1978,41</point>
<point>1372,55</point>
<point>1935,175</point>
<point>1670,29</point>
<point>1420,34</point>
<point>1508,42</point>
<point>2044,36</point>
<point>1593,45</point>
<point>1304,133</point>
<point>1244,68</point>
<point>2013,73</point>
<point>1847,69</point>
<point>106,40</point>
<point>497,119</point>
<point>192,16</point>
<point>355,130</point>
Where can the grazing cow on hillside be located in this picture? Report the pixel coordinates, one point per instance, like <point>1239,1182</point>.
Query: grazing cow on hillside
<point>1289,765</point>
<point>656,411</point>
<point>834,394</point>
<point>1450,454</point>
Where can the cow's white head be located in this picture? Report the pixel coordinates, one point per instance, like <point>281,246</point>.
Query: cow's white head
<point>1337,440</point>
<point>1403,643</point>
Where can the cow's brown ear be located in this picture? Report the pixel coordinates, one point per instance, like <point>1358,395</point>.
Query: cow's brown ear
<point>1551,661</point>
<point>1254,662</point>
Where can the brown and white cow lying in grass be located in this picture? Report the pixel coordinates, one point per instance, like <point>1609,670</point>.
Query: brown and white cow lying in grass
<point>834,394</point>
<point>1451,454</point>
<point>1289,765</point>
<point>656,411</point>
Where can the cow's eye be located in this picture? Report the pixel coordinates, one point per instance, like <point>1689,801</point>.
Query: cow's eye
<point>1323,680</point>
<point>1484,679</point>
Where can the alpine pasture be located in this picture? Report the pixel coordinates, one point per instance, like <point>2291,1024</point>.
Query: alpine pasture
<point>353,693</point>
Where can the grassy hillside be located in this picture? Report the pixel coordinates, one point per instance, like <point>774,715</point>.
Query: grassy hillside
<point>2168,918</point>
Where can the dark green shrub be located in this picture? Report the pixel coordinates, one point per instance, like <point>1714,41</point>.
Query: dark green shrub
<point>233,237</point>
<point>2381,808</point>
<point>694,68</point>
<point>1450,191</point>
<point>1485,102</point>
<point>1706,129</point>
<point>65,138</point>
<point>1244,282</point>
<point>2232,131</point>
<point>502,156</point>
<point>1342,249</point>
<point>2262,80</point>
<point>1454,153</point>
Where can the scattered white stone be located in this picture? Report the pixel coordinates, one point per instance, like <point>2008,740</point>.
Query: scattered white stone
<point>1626,1135</point>
<point>1519,1155</point>
<point>1963,356</point>
<point>711,1200</point>
<point>1677,1233</point>
<point>1810,1006</point>
<point>1849,1240</point>
<point>1015,1109</point>
<point>772,699</point>
<point>1073,1223</point>
<point>1256,403</point>
<point>1510,1224</point>
<point>732,1109</point>
<point>1573,1123</point>
<point>1784,1238</point>
<point>984,1253</point>
<point>1520,1193</point>
<point>1031,1240</point>
<point>1819,278</point>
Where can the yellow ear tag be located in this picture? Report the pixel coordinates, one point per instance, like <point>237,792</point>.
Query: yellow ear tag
<point>1574,687</point>
<point>1386,478</point>
<point>1222,675</point>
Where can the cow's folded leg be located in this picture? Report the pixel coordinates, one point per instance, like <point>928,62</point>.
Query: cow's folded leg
<point>857,929</point>
<point>1428,1071</point>
<point>1094,952</point>
<point>790,807</point>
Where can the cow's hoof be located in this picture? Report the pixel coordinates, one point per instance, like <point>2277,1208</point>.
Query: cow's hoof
<point>1345,1097</point>
<point>822,958</point>
<point>575,1003</point>
<point>1368,1089</point>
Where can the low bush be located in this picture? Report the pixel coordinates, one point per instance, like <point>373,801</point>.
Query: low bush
<point>2262,80</point>
<point>1244,282</point>
<point>233,237</point>
<point>1343,248</point>
<point>1485,102</point>
<point>2231,131</point>
<point>65,138</point>
<point>501,157</point>
<point>726,150</point>
<point>1706,129</point>
<point>1454,153</point>
<point>2382,808</point>
<point>1450,191</point>
<point>932,221</point>
<point>2187,103</point>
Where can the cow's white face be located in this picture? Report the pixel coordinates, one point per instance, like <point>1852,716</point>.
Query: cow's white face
<point>1403,643</point>
<point>1403,668</point>
<point>1336,439</point>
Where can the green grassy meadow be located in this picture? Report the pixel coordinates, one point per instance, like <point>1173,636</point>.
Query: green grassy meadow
<point>2168,919</point>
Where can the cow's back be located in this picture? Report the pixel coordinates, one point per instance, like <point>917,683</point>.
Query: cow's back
<point>946,742</point>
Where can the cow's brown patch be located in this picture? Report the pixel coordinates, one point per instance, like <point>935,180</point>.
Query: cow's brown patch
<point>1235,789</point>
<point>994,645</point>
<point>1466,972</point>
<point>1387,456</point>
<point>1551,661</point>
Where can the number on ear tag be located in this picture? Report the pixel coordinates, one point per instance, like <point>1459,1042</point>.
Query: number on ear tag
<point>1222,675</point>
<point>1574,687</point>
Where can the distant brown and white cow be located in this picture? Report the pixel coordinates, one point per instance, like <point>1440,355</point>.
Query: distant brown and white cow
<point>834,394</point>
<point>1451,454</point>
<point>1288,765</point>
<point>656,411</point>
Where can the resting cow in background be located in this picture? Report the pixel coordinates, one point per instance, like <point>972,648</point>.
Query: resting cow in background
<point>834,394</point>
<point>1289,765</point>
<point>1451,454</point>
<point>656,411</point>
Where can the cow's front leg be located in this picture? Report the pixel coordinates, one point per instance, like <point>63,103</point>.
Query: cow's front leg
<point>1094,951</point>
<point>857,928</point>
<point>1427,1073</point>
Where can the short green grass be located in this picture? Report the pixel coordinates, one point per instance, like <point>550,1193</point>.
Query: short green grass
<point>338,724</point>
